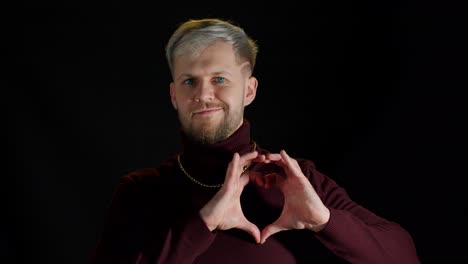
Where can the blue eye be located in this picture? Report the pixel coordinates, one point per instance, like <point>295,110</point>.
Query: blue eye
<point>219,79</point>
<point>188,82</point>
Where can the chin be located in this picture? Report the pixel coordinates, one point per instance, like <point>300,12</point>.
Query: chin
<point>207,134</point>
<point>210,131</point>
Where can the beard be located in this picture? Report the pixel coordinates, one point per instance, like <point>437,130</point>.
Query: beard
<point>213,132</point>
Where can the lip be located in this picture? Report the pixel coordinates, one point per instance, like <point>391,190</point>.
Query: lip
<point>206,111</point>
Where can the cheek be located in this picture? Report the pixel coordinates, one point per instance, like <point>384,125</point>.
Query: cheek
<point>230,96</point>
<point>182,101</point>
<point>184,108</point>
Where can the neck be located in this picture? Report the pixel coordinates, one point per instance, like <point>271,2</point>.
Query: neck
<point>208,162</point>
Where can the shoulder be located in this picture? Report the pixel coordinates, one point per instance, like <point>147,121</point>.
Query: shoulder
<point>140,186</point>
<point>151,176</point>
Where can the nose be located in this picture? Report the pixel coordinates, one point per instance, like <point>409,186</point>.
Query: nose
<point>204,91</point>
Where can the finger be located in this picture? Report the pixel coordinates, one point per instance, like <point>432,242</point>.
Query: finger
<point>270,230</point>
<point>273,156</point>
<point>259,158</point>
<point>291,163</point>
<point>247,157</point>
<point>280,162</point>
<point>285,156</point>
<point>250,228</point>
<point>232,169</point>
<point>283,162</point>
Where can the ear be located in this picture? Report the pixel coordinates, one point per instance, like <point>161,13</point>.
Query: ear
<point>173,96</point>
<point>251,90</point>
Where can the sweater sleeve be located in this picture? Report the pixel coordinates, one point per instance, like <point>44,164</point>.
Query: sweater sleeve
<point>125,237</point>
<point>356,234</point>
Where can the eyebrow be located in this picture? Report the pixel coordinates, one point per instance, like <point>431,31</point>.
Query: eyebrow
<point>221,73</point>
<point>184,75</point>
<point>213,73</point>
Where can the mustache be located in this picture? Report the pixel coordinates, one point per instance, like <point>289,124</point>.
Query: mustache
<point>205,106</point>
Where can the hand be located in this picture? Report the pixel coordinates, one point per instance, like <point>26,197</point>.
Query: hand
<point>224,210</point>
<point>303,208</point>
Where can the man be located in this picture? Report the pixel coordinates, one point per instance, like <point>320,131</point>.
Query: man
<point>223,198</point>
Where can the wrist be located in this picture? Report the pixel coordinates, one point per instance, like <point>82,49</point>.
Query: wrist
<point>205,217</point>
<point>322,222</point>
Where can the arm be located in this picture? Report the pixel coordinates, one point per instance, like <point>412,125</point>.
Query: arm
<point>139,231</point>
<point>315,202</point>
<point>355,233</point>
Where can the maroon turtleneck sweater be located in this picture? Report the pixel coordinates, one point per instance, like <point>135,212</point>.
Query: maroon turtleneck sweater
<point>154,217</point>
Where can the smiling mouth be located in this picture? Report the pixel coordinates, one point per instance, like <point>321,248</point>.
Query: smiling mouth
<point>206,111</point>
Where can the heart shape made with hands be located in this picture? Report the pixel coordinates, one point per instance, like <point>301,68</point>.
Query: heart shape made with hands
<point>302,209</point>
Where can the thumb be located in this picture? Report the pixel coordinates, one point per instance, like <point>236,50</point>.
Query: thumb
<point>270,230</point>
<point>250,228</point>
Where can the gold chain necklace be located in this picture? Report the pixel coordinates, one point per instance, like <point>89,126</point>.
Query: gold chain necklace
<point>208,185</point>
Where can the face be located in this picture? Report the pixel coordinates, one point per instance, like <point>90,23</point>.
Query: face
<point>209,92</point>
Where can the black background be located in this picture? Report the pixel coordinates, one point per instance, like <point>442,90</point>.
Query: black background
<point>372,92</point>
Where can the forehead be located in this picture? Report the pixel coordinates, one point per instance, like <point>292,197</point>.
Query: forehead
<point>220,55</point>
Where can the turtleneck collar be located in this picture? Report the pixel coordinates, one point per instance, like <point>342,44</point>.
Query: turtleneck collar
<point>208,163</point>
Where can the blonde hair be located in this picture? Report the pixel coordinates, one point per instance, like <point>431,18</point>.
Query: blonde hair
<point>196,34</point>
